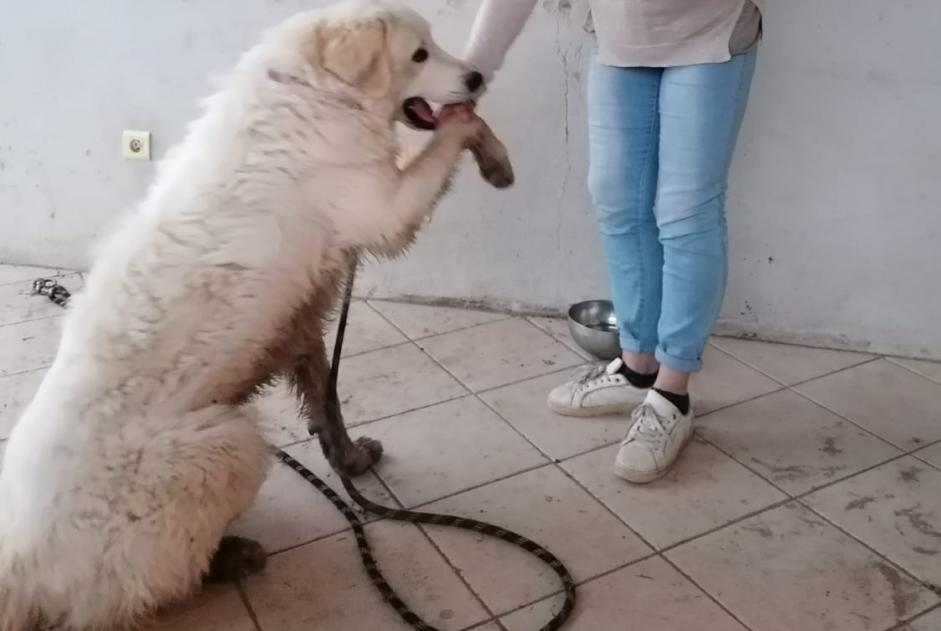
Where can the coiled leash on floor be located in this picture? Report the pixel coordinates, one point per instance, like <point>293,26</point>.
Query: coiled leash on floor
<point>60,295</point>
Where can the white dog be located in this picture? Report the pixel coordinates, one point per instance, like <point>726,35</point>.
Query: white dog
<point>141,446</point>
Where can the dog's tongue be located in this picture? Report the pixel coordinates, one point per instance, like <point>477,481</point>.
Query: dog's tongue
<point>421,110</point>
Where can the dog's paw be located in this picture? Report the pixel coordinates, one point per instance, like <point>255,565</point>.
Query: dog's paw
<point>236,558</point>
<point>493,160</point>
<point>498,174</point>
<point>365,453</point>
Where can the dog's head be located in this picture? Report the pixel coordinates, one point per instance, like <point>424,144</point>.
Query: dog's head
<point>385,51</point>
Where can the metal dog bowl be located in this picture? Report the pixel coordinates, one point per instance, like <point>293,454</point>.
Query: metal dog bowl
<point>594,328</point>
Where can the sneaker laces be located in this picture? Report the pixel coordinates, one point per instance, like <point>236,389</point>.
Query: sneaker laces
<point>594,372</point>
<point>648,426</point>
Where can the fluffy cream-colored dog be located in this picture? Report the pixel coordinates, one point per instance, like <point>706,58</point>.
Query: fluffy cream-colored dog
<point>141,444</point>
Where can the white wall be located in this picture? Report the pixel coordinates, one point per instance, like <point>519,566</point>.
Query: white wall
<point>834,207</point>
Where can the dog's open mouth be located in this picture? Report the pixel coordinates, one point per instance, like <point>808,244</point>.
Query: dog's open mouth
<point>418,112</point>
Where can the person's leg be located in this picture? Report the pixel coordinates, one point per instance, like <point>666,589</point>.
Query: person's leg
<point>701,109</point>
<point>622,178</point>
<point>624,138</point>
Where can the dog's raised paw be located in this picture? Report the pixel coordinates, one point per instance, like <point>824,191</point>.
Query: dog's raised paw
<point>498,175</point>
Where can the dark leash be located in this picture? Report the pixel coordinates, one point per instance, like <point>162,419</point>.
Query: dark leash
<point>60,295</point>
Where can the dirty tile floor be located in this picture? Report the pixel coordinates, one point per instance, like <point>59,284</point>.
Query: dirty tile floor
<point>808,500</point>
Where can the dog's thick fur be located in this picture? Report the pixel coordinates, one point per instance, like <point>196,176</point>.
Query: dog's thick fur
<point>141,444</point>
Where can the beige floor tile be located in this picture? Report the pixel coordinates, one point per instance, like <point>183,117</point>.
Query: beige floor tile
<point>29,345</point>
<point>545,506</point>
<point>928,622</point>
<point>215,608</point>
<point>725,381</point>
<point>418,321</point>
<point>787,363</point>
<point>16,391</point>
<point>793,442</point>
<point>559,329</point>
<point>705,490</point>
<point>650,595</point>
<point>436,451</point>
<point>895,509</point>
<point>499,353</point>
<point>932,370</point>
<point>289,511</point>
<point>902,407</point>
<point>788,569</point>
<point>323,586</point>
<point>931,454</point>
<point>18,304</point>
<point>524,405</point>
<point>391,381</point>
<point>366,331</point>
<point>23,274</point>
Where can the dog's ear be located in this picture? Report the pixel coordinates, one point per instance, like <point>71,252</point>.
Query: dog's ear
<point>355,53</point>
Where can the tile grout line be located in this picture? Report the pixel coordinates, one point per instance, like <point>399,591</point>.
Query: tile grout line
<point>420,506</point>
<point>800,500</point>
<point>711,597</point>
<point>356,425</point>
<point>894,360</point>
<point>903,626</point>
<point>57,273</point>
<point>754,367</point>
<point>444,557</point>
<point>924,583</point>
<point>915,455</point>
<point>23,372</point>
<point>851,421</point>
<point>568,343</point>
<point>60,314</point>
<point>501,317</point>
<point>243,596</point>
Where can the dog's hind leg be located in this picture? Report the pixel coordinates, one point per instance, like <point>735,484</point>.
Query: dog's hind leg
<point>320,405</point>
<point>234,559</point>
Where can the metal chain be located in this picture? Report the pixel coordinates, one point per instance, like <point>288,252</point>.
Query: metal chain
<point>51,288</point>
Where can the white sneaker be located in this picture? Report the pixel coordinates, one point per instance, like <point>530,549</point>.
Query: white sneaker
<point>658,433</point>
<point>598,390</point>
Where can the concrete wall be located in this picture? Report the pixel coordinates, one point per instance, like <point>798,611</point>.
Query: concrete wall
<point>834,207</point>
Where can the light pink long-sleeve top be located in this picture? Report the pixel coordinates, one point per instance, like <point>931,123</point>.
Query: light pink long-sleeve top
<point>655,33</point>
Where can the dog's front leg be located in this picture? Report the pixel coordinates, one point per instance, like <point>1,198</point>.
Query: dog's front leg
<point>321,407</point>
<point>418,187</point>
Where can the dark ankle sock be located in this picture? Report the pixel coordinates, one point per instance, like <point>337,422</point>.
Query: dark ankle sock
<point>637,379</point>
<point>681,401</point>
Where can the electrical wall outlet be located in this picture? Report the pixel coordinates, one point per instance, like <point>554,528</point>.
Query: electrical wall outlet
<point>135,145</point>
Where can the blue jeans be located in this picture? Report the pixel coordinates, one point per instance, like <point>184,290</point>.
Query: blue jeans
<point>661,142</point>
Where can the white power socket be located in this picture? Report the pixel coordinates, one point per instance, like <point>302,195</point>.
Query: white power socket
<point>135,145</point>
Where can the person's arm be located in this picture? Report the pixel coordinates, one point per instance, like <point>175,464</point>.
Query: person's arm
<point>496,26</point>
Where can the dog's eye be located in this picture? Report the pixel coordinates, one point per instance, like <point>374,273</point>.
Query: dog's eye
<point>420,55</point>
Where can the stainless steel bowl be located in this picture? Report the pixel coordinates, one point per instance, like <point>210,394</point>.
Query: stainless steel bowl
<point>594,328</point>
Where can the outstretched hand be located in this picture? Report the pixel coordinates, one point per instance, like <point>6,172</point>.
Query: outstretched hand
<point>459,111</point>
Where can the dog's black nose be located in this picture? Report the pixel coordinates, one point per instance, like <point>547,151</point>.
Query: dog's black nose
<point>473,81</point>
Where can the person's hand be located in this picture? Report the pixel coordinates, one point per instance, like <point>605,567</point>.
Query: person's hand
<point>458,111</point>
<point>458,119</point>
